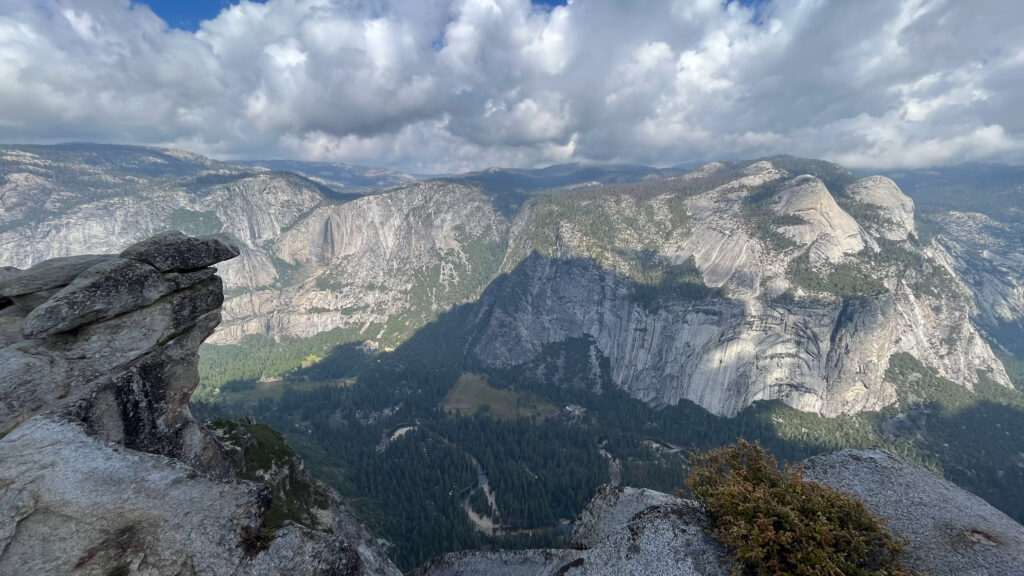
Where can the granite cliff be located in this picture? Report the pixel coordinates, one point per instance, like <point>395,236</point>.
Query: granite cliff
<point>381,266</point>
<point>105,470</point>
<point>727,287</point>
<point>780,279</point>
<point>989,256</point>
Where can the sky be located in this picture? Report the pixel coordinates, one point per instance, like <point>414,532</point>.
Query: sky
<point>433,86</point>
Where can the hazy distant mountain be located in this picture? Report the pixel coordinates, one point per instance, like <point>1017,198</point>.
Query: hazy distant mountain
<point>345,178</point>
<point>510,187</point>
<point>86,198</point>
<point>996,190</point>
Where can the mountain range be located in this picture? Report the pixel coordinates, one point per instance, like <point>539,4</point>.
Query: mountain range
<point>724,285</point>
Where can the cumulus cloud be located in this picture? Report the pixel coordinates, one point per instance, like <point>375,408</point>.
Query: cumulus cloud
<point>451,85</point>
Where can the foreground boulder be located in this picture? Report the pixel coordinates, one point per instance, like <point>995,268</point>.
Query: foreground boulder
<point>103,291</point>
<point>6,273</point>
<point>948,530</point>
<point>104,469</point>
<point>117,347</point>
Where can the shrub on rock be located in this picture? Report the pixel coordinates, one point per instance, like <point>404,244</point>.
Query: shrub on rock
<point>775,522</point>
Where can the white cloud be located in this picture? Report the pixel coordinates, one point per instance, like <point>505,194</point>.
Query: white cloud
<point>436,85</point>
<point>887,146</point>
<point>82,23</point>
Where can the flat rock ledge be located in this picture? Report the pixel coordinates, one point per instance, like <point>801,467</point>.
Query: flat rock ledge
<point>171,251</point>
<point>104,469</point>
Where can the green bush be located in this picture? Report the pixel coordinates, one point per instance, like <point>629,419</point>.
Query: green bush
<point>777,523</point>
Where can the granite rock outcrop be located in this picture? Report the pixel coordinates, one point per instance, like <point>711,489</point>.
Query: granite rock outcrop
<point>948,530</point>
<point>105,469</point>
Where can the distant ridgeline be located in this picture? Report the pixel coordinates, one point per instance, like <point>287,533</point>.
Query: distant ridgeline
<point>625,315</point>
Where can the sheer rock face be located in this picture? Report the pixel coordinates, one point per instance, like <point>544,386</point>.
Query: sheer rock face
<point>815,352</point>
<point>989,256</point>
<point>822,356</point>
<point>718,239</point>
<point>948,530</point>
<point>412,251</point>
<point>104,468</point>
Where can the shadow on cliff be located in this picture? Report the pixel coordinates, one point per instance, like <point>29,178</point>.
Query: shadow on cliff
<point>450,340</point>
